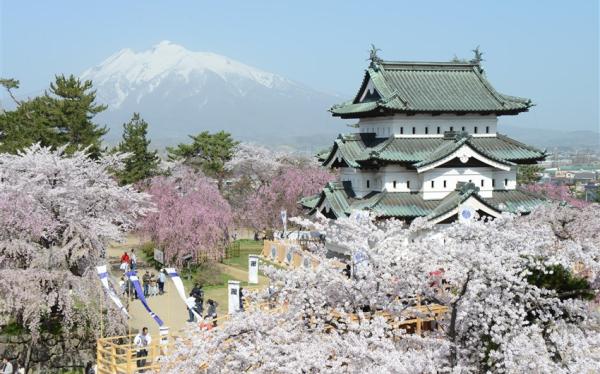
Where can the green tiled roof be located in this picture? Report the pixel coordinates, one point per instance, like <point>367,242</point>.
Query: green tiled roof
<point>446,149</point>
<point>427,87</point>
<point>360,149</point>
<point>454,199</point>
<point>408,205</point>
<point>348,148</point>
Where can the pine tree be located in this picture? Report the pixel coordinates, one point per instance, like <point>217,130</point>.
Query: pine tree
<point>142,163</point>
<point>61,116</point>
<point>208,152</point>
<point>74,107</point>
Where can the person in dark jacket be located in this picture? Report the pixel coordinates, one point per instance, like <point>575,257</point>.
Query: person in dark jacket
<point>212,311</point>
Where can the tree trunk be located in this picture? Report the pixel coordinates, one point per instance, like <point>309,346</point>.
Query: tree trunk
<point>452,327</point>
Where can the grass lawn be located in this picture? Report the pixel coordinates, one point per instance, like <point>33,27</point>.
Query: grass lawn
<point>235,268</point>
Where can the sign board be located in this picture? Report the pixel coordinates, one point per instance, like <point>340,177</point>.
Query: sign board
<point>164,335</point>
<point>159,256</point>
<point>233,294</point>
<point>253,269</point>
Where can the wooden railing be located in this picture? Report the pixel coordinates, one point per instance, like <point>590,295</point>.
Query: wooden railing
<point>119,355</point>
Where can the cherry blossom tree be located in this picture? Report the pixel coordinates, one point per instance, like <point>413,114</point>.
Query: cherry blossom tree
<point>191,217</point>
<point>261,209</point>
<point>57,214</point>
<point>500,317</point>
<point>556,192</point>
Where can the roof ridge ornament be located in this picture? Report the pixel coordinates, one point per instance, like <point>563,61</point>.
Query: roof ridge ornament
<point>478,56</point>
<point>375,60</point>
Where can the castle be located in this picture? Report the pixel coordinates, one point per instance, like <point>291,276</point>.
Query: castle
<point>426,145</point>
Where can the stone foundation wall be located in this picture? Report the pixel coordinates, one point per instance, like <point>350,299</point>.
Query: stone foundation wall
<point>50,354</point>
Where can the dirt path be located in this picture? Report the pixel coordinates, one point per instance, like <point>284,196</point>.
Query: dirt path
<point>169,306</point>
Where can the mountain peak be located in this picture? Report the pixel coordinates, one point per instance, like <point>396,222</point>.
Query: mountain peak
<point>167,58</point>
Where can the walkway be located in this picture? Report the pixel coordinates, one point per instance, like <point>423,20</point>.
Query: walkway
<point>169,306</point>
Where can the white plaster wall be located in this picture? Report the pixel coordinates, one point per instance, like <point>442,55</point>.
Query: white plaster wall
<point>426,125</point>
<point>481,177</point>
<point>383,180</point>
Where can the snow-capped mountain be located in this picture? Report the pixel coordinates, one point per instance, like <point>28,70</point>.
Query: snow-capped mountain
<point>180,92</point>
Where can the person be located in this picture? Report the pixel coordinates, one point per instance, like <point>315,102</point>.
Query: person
<point>7,367</point>
<point>146,281</point>
<point>89,368</point>
<point>153,285</point>
<point>241,295</point>
<point>212,311</point>
<point>162,278</point>
<point>124,262</point>
<point>190,301</point>
<point>123,285</point>
<point>141,341</point>
<point>133,260</point>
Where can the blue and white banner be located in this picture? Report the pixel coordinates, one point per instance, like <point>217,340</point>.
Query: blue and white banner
<point>140,294</point>
<point>103,274</point>
<point>181,291</point>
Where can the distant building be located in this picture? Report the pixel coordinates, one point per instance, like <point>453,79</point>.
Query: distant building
<point>426,146</point>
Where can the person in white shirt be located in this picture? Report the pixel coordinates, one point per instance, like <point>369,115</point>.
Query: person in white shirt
<point>141,341</point>
<point>133,259</point>
<point>7,367</point>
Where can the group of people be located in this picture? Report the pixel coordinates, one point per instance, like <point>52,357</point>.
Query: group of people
<point>8,368</point>
<point>128,262</point>
<point>152,284</point>
<point>196,298</point>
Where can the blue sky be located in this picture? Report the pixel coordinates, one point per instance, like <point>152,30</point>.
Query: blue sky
<point>547,51</point>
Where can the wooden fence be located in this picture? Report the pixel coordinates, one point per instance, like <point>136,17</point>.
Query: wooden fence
<point>119,355</point>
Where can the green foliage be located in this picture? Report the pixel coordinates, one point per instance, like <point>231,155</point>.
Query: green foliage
<point>147,251</point>
<point>207,274</point>
<point>61,116</point>
<point>208,152</point>
<point>13,329</point>
<point>142,163</point>
<point>561,280</point>
<point>528,174</point>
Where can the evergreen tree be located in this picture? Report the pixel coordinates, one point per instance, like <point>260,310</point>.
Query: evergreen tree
<point>61,116</point>
<point>208,152</point>
<point>142,163</point>
<point>529,174</point>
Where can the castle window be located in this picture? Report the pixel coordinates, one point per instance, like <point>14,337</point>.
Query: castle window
<point>401,130</point>
<point>414,130</point>
<point>438,130</point>
<point>451,128</point>
<point>487,129</point>
<point>407,184</point>
<point>432,184</point>
<point>482,183</point>
<point>470,180</point>
<point>394,184</point>
<point>444,184</point>
<point>368,183</point>
<point>475,129</point>
<point>493,183</point>
<point>463,128</point>
<point>426,130</point>
<point>505,182</point>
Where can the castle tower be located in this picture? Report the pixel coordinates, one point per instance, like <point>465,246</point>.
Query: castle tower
<point>426,145</point>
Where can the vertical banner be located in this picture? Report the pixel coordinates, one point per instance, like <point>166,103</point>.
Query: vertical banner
<point>103,274</point>
<point>181,291</point>
<point>233,292</point>
<point>252,269</point>
<point>140,294</point>
<point>284,221</point>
